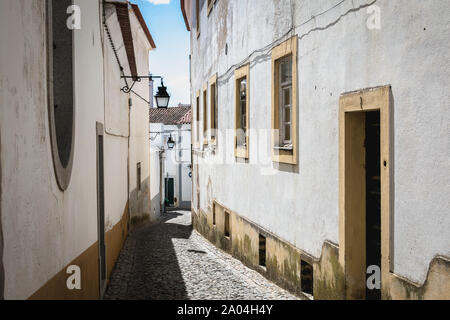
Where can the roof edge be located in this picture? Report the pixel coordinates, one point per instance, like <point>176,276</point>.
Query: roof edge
<point>141,20</point>
<point>183,10</point>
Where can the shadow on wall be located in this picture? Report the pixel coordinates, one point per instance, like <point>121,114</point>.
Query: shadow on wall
<point>140,204</point>
<point>147,268</point>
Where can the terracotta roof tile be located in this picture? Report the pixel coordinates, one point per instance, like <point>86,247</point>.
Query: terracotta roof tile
<point>125,27</point>
<point>176,115</point>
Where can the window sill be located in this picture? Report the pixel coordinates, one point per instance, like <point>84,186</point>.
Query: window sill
<point>284,155</point>
<point>241,152</point>
<point>284,148</point>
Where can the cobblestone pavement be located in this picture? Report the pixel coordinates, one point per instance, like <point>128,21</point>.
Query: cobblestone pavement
<point>169,260</point>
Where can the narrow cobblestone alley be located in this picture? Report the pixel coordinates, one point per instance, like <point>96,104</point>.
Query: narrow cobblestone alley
<point>170,260</point>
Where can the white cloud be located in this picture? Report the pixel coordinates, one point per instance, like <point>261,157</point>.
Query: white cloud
<point>156,2</point>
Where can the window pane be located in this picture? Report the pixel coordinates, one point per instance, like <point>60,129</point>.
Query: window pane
<point>243,102</point>
<point>287,132</point>
<point>242,111</point>
<point>287,96</point>
<point>285,99</point>
<point>243,88</point>
<point>286,69</point>
<point>287,114</point>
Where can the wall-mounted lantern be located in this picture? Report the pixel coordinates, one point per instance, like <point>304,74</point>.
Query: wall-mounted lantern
<point>162,96</point>
<point>170,143</point>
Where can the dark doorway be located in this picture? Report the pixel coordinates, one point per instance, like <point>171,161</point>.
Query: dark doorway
<point>373,198</point>
<point>101,209</point>
<point>170,191</point>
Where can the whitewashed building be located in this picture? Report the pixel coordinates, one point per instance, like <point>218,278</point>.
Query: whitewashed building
<point>321,142</point>
<point>74,150</point>
<point>170,135</point>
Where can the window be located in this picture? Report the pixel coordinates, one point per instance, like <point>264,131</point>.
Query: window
<point>262,250</point>
<point>197,120</point>
<point>60,89</point>
<point>307,277</point>
<point>213,108</point>
<point>138,176</point>
<point>284,102</point>
<point>242,111</point>
<point>210,5</point>
<point>227,225</point>
<point>197,16</point>
<point>205,115</point>
<point>214,214</point>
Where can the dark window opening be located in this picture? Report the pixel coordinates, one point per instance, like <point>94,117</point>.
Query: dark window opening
<point>227,224</point>
<point>262,251</point>
<point>60,87</point>
<point>214,214</point>
<point>138,176</point>
<point>307,277</point>
<point>62,78</point>
<point>205,118</point>
<point>242,113</point>
<point>214,111</point>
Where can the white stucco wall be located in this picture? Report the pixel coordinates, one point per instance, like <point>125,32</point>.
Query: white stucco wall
<point>139,135</point>
<point>116,123</point>
<point>337,53</point>
<point>44,228</point>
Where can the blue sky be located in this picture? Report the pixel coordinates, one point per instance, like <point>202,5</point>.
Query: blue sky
<point>171,56</point>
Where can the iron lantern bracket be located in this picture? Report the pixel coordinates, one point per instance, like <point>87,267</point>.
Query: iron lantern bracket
<point>127,89</point>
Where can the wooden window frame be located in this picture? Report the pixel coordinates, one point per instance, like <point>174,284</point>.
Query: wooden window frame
<point>288,47</point>
<point>213,101</point>
<point>205,113</point>
<point>239,74</point>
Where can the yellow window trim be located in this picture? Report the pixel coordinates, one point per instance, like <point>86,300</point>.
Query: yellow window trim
<point>243,72</point>
<point>289,47</point>
<point>212,101</point>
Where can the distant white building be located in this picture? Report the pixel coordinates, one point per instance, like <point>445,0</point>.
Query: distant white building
<point>170,127</point>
